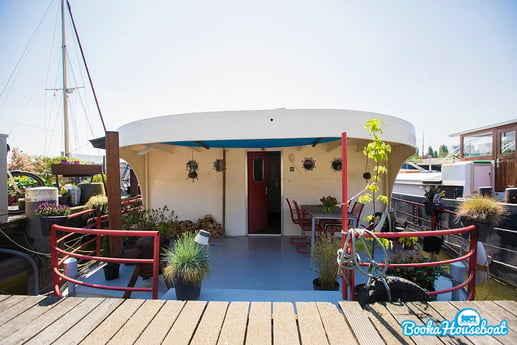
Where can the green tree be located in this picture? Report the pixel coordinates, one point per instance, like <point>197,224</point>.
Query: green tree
<point>443,151</point>
<point>431,153</point>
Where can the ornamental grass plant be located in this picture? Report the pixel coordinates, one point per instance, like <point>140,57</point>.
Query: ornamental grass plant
<point>186,260</point>
<point>481,208</point>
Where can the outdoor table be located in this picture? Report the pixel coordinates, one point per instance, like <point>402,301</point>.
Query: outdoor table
<point>318,213</point>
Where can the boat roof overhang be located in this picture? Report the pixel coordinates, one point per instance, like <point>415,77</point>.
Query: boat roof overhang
<point>261,128</point>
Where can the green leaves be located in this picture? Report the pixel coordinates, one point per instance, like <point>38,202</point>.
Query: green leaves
<point>378,151</point>
<point>186,260</point>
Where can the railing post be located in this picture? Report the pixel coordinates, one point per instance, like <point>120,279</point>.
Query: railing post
<point>473,264</point>
<point>54,262</point>
<point>156,265</point>
<point>344,205</point>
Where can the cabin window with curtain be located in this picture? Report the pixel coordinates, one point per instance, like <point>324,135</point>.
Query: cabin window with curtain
<point>507,140</point>
<point>258,169</point>
<point>479,144</point>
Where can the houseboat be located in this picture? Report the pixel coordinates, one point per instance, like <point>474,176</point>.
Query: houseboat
<point>486,163</point>
<point>240,166</point>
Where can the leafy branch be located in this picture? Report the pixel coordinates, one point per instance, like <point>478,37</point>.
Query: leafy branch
<point>378,151</point>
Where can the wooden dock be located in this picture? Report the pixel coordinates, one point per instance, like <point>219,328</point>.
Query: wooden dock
<point>74,320</point>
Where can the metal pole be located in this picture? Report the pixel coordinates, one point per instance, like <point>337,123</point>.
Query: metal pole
<point>65,87</point>
<point>344,204</point>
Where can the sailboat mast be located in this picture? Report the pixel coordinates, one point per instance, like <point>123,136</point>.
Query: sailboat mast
<point>65,87</point>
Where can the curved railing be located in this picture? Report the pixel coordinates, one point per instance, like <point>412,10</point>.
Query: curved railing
<point>470,256</point>
<point>83,251</point>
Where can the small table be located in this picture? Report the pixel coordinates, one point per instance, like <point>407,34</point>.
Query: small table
<point>317,213</point>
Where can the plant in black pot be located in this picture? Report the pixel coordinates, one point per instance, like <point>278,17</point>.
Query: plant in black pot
<point>99,203</point>
<point>325,261</point>
<point>187,265</point>
<point>433,194</point>
<point>51,213</point>
<point>424,276</point>
<point>111,269</point>
<point>483,211</point>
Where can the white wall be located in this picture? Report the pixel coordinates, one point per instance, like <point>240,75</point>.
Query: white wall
<point>165,181</point>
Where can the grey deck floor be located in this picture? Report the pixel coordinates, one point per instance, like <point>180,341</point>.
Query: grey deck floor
<point>266,268</point>
<point>252,268</point>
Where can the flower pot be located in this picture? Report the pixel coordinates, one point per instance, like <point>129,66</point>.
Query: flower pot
<point>433,244</point>
<point>430,207</point>
<point>316,286</point>
<point>484,229</point>
<point>186,290</point>
<point>111,271</point>
<point>47,221</point>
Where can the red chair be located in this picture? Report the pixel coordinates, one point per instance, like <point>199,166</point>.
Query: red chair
<point>305,221</point>
<point>294,218</point>
<point>301,242</point>
<point>357,209</point>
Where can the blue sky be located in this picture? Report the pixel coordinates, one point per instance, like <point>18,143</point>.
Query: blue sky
<point>445,66</point>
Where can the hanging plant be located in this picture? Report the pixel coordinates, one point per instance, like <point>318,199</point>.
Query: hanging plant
<point>378,151</point>
<point>192,167</point>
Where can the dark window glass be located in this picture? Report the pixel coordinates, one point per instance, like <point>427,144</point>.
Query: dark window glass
<point>258,169</point>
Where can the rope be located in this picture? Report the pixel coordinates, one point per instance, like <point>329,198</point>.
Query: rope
<point>349,258</point>
<point>22,247</point>
<point>86,65</point>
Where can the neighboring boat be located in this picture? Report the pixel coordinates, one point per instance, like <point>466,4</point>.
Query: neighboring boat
<point>487,163</point>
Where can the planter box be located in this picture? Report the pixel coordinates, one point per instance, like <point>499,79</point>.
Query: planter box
<point>70,170</point>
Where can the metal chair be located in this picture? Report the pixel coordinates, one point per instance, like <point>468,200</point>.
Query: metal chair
<point>357,209</point>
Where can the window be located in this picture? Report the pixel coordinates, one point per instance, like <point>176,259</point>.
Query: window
<point>479,144</point>
<point>507,140</point>
<point>258,169</point>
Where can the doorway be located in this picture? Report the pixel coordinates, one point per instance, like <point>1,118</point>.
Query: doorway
<point>264,193</point>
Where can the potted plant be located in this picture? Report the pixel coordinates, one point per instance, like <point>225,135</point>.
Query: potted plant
<point>423,276</point>
<point>326,266</point>
<point>111,269</point>
<point>483,211</point>
<point>433,195</point>
<point>51,213</point>
<point>186,266</point>
<point>328,203</point>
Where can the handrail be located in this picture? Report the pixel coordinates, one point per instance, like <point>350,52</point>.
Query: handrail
<point>471,255</point>
<point>59,254</point>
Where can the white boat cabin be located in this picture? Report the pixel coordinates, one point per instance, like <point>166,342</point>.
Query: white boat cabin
<point>240,166</point>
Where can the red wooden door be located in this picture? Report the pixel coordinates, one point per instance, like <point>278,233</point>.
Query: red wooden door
<point>257,191</point>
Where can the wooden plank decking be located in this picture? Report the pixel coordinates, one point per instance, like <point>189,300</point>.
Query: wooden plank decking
<point>52,320</point>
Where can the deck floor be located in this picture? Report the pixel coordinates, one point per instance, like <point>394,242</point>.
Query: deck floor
<point>75,320</point>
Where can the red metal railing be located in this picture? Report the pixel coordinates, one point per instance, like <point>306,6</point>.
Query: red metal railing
<point>59,251</point>
<point>471,255</point>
